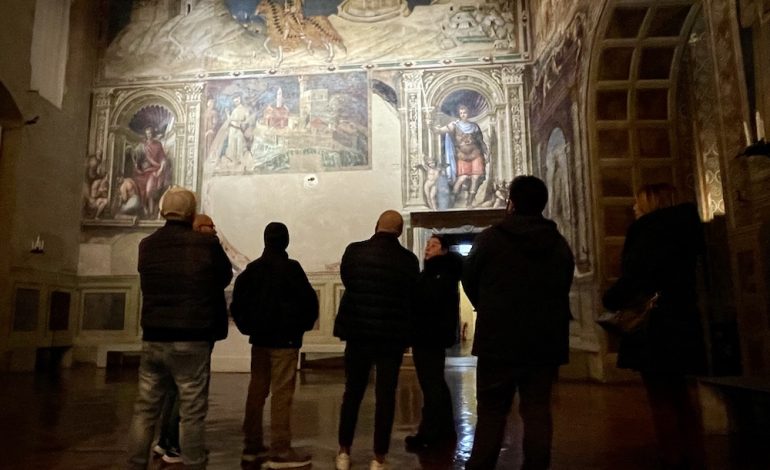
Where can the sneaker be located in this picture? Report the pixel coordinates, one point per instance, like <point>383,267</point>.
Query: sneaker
<point>172,456</point>
<point>288,459</point>
<point>342,462</point>
<point>254,456</point>
<point>158,451</point>
<point>375,465</point>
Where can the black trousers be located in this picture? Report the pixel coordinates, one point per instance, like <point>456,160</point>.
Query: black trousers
<point>676,417</point>
<point>496,384</point>
<point>437,417</point>
<point>359,360</point>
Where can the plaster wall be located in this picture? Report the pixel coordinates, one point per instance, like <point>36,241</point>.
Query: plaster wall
<point>40,164</point>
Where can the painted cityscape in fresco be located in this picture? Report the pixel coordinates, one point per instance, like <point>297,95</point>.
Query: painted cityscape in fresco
<point>286,124</point>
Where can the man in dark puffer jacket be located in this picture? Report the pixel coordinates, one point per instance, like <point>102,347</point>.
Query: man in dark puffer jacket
<point>274,303</point>
<point>183,274</point>
<point>374,318</point>
<point>518,277</point>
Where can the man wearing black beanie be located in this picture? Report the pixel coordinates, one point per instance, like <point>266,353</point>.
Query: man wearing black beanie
<point>274,304</point>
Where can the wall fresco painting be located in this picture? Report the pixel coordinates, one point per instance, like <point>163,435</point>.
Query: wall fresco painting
<point>302,123</point>
<point>160,38</point>
<point>463,165</point>
<point>129,185</point>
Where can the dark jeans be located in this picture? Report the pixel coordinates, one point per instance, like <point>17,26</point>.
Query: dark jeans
<point>437,418</point>
<point>359,359</point>
<point>677,421</point>
<point>496,384</point>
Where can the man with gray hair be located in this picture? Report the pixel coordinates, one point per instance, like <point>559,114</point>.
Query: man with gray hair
<point>375,319</point>
<point>183,274</point>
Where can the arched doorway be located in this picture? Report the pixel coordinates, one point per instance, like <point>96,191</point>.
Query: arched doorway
<point>651,100</point>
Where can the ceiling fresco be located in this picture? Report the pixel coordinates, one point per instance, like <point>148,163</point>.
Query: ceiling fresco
<point>166,39</point>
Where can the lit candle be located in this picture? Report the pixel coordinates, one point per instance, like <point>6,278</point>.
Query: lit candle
<point>760,127</point>
<point>747,133</point>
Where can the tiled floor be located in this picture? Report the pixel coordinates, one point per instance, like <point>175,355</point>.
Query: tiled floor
<point>78,419</point>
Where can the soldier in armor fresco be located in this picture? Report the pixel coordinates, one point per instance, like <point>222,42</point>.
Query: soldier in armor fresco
<point>466,154</point>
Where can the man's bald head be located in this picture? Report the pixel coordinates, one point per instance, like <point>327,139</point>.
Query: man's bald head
<point>390,222</point>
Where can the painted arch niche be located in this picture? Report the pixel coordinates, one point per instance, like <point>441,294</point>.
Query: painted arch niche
<point>558,157</point>
<point>463,136</point>
<point>139,147</point>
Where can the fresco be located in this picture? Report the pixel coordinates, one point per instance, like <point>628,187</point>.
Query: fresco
<point>302,123</point>
<point>141,168</point>
<point>465,158</point>
<point>162,38</point>
<point>558,160</point>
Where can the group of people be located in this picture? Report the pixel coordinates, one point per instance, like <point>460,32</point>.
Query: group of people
<point>517,275</point>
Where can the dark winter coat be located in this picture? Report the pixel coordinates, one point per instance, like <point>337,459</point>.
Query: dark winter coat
<point>273,301</point>
<point>437,315</point>
<point>660,255</point>
<point>183,274</point>
<point>518,277</point>
<point>379,276</point>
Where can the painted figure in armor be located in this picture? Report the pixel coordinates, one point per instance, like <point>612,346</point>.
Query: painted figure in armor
<point>466,154</point>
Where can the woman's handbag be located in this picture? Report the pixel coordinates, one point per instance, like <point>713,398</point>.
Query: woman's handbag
<point>631,319</point>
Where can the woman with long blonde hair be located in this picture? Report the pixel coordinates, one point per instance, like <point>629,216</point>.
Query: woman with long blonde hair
<point>660,256</point>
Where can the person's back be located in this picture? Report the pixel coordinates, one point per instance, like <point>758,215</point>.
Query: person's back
<point>374,318</point>
<point>273,303</point>
<point>518,277</point>
<point>379,277</point>
<point>183,275</point>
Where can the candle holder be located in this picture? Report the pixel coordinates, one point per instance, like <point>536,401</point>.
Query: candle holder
<point>38,246</point>
<point>758,147</point>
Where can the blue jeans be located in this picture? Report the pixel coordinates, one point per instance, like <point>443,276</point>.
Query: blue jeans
<point>186,364</point>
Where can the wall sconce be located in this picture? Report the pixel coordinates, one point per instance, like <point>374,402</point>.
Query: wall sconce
<point>759,146</point>
<point>38,246</point>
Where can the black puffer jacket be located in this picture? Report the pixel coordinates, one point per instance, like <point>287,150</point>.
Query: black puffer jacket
<point>660,255</point>
<point>438,291</point>
<point>183,274</point>
<point>273,301</point>
<point>379,276</point>
<point>518,277</point>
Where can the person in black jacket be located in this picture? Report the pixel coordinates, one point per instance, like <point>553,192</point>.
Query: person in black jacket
<point>167,446</point>
<point>437,319</point>
<point>660,255</point>
<point>183,274</point>
<point>273,303</point>
<point>375,318</point>
<point>518,277</point>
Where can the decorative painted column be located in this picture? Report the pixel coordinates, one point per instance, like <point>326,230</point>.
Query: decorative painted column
<point>190,97</point>
<point>412,129</point>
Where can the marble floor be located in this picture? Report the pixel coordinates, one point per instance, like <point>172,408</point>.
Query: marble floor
<point>78,419</point>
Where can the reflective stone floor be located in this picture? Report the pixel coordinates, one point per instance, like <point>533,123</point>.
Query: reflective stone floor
<point>78,419</point>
